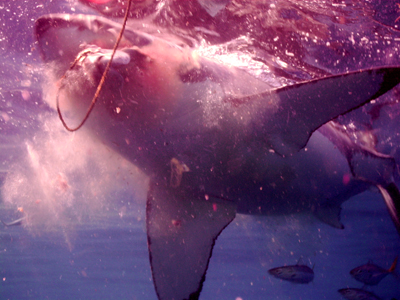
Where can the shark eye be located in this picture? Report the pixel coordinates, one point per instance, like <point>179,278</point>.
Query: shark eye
<point>82,28</point>
<point>136,56</point>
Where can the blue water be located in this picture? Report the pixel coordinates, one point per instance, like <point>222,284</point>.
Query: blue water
<point>86,237</point>
<point>109,259</point>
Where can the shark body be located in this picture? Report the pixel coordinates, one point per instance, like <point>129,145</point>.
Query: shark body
<point>214,140</point>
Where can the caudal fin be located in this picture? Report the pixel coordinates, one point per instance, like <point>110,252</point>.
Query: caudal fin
<point>394,264</point>
<point>391,195</point>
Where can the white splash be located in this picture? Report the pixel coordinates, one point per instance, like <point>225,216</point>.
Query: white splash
<point>62,179</point>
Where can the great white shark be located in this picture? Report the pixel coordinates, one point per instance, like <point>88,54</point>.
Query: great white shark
<point>213,139</point>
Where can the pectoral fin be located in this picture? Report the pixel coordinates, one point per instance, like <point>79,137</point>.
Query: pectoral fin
<point>181,232</point>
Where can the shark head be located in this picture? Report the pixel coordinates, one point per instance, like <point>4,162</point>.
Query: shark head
<point>214,140</point>
<point>140,74</point>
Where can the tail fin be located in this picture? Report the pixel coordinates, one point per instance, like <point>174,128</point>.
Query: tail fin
<point>393,266</point>
<point>391,195</point>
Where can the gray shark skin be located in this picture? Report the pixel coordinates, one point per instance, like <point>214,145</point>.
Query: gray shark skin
<point>214,140</point>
